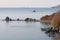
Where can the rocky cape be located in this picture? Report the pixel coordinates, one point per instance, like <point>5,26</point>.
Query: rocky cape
<point>54,20</point>
<point>47,18</point>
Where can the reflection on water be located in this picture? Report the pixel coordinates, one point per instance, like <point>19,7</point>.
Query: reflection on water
<point>20,30</point>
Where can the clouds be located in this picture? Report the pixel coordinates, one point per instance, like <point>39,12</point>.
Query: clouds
<point>28,3</point>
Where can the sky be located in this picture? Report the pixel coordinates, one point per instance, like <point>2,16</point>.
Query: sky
<point>28,3</point>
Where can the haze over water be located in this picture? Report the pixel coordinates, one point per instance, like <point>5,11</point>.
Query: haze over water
<point>21,30</point>
<point>23,13</point>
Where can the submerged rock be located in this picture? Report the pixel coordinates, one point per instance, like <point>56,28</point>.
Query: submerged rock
<point>50,32</point>
<point>44,29</point>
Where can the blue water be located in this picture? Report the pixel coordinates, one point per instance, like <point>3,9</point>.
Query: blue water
<point>21,30</point>
<point>23,13</point>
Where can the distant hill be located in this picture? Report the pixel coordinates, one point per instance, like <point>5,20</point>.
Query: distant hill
<point>58,6</point>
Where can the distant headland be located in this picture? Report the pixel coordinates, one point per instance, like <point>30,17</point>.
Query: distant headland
<point>57,6</point>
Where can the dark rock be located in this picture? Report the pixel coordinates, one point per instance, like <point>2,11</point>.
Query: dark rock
<point>10,19</point>
<point>30,19</point>
<point>34,11</point>
<point>27,19</point>
<point>43,29</point>
<point>18,19</point>
<point>49,30</point>
<point>7,19</point>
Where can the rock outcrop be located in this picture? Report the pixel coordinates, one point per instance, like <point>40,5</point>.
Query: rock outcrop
<point>54,20</point>
<point>55,23</point>
<point>30,20</point>
<point>8,19</point>
<point>47,18</point>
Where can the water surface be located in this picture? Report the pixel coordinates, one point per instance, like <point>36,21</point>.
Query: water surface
<point>21,30</point>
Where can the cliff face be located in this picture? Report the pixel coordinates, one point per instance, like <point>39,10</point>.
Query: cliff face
<point>54,19</point>
<point>47,18</point>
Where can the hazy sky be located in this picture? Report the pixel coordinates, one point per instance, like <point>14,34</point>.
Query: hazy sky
<point>29,3</point>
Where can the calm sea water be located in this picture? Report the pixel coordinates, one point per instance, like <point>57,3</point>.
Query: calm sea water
<point>21,30</point>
